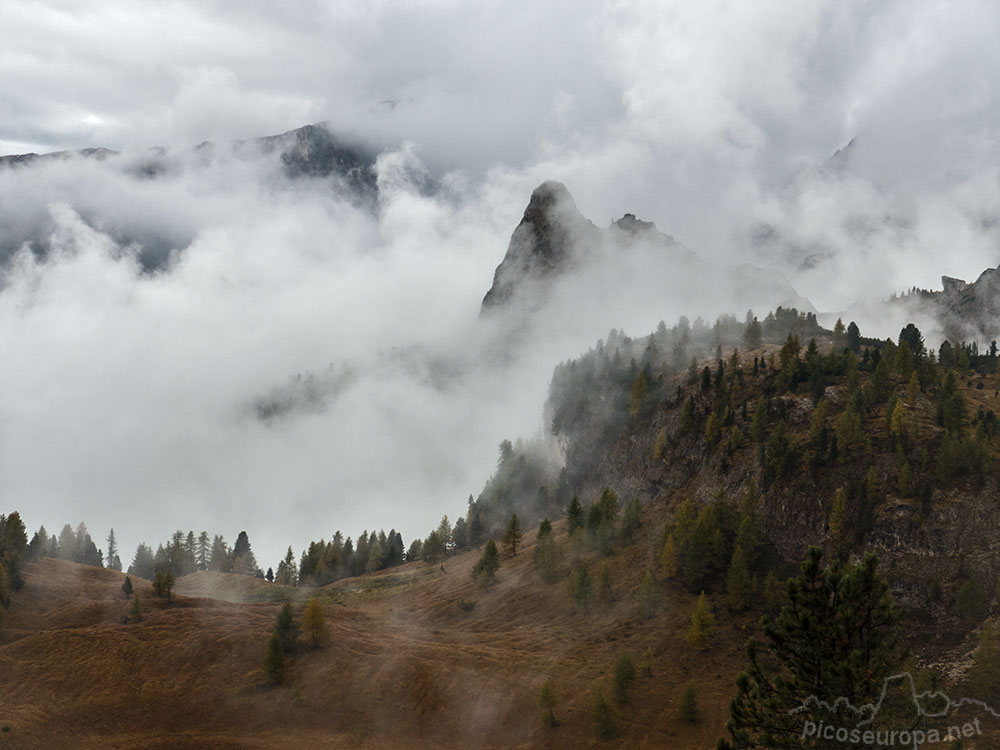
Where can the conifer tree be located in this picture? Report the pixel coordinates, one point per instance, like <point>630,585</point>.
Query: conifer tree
<point>687,708</point>
<point>286,628</point>
<point>605,725</point>
<point>135,611</point>
<point>668,558</point>
<point>574,515</point>
<point>624,674</point>
<point>547,702</point>
<point>314,624</point>
<point>699,634</point>
<point>201,556</point>
<point>433,548</point>
<point>512,536</point>
<point>484,572</point>
<point>127,587</point>
<point>648,595</point>
<point>113,560</point>
<point>274,660</point>
<point>631,520</point>
<point>637,396</point>
<point>837,637</point>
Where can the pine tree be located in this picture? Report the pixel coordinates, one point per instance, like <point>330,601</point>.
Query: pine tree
<point>243,560</point>
<point>314,624</point>
<point>687,708</point>
<point>286,628</point>
<point>201,557</point>
<point>752,336</point>
<point>135,611</point>
<point>484,572</point>
<point>288,573</point>
<point>547,702</point>
<point>127,587</point>
<point>574,515</point>
<point>444,531</point>
<point>837,637</point>
<point>668,558</point>
<point>624,674</point>
<point>605,725</point>
<point>637,396</point>
<point>113,560</point>
<point>433,548</point>
<point>274,660</point>
<point>699,635</point>
<point>648,595</point>
<point>631,520</point>
<point>163,583</point>
<point>512,536</point>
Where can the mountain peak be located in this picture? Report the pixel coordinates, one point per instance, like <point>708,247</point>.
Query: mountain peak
<point>551,232</point>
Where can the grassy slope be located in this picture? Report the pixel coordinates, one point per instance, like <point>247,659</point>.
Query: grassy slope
<point>406,667</point>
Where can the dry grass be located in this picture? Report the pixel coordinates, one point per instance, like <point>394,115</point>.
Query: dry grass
<point>407,667</point>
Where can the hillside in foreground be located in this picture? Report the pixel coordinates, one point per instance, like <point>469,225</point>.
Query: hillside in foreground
<point>406,666</point>
<point>752,460</point>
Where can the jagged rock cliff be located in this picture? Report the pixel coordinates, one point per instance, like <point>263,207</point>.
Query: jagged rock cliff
<point>554,241</point>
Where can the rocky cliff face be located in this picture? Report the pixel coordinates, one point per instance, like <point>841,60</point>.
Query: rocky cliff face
<point>930,538</point>
<point>551,237</point>
<point>971,311</point>
<point>554,242</point>
<point>308,153</point>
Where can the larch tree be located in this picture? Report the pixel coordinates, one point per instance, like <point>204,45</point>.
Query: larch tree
<point>512,536</point>
<point>314,625</point>
<point>547,702</point>
<point>699,634</point>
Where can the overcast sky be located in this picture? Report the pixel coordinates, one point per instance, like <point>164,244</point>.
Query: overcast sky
<point>121,395</point>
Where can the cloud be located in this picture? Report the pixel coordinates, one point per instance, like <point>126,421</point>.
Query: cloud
<point>124,397</point>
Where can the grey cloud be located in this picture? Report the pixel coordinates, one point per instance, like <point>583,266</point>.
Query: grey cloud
<point>123,396</point>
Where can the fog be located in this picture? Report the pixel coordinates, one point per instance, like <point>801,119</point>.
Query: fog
<point>302,362</point>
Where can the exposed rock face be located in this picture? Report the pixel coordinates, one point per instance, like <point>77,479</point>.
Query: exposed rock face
<point>551,234</point>
<point>314,151</point>
<point>25,160</point>
<point>310,152</point>
<point>971,311</point>
<point>554,240</point>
